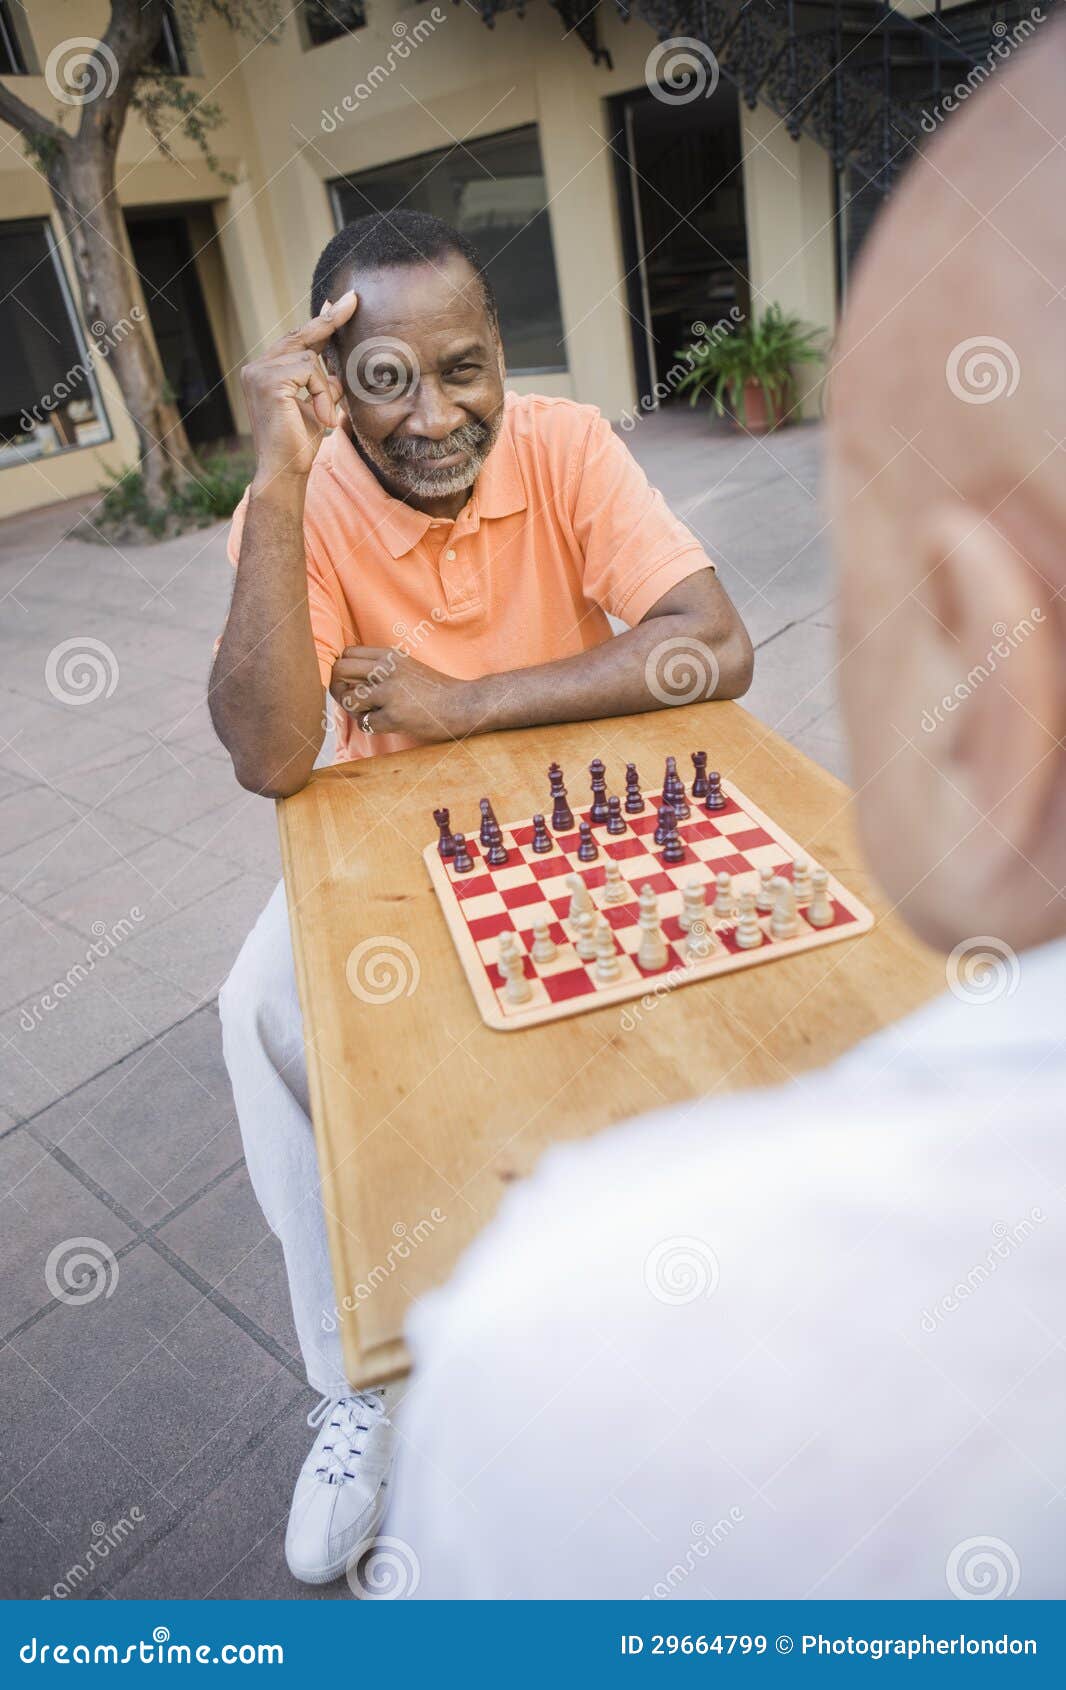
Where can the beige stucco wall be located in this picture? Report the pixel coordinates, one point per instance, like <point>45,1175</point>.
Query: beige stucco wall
<point>438,77</point>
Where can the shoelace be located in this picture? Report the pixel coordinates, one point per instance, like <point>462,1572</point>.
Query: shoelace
<point>350,1419</point>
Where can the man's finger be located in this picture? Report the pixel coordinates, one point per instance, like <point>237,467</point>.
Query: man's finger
<point>317,331</point>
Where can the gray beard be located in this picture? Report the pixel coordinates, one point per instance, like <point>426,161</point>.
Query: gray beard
<point>417,476</point>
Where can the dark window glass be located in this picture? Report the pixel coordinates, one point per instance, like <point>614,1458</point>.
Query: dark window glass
<point>48,394</point>
<point>12,62</point>
<point>327,19</point>
<point>168,52</point>
<point>493,190</point>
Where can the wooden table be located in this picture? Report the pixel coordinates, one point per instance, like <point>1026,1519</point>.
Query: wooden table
<point>423,1114</point>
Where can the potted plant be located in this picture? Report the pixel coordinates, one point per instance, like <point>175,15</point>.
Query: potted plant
<point>750,373</point>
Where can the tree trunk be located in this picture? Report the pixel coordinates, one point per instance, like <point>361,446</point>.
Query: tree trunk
<point>82,177</point>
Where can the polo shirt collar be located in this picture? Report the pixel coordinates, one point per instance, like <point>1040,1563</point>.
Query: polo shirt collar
<point>498,491</point>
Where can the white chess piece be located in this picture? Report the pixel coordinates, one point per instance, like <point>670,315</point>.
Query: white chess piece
<point>820,908</point>
<point>615,890</point>
<point>783,922</point>
<point>580,897</point>
<point>764,899</point>
<point>543,949</point>
<point>748,933</point>
<point>693,905</point>
<point>512,965</point>
<point>801,880</point>
<point>586,936</point>
<point>652,953</point>
<point>723,897</point>
<point>608,966</point>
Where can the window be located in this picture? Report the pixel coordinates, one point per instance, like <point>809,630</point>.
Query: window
<point>12,58</point>
<point>49,400</point>
<point>168,52</point>
<point>493,191</point>
<point>325,20</point>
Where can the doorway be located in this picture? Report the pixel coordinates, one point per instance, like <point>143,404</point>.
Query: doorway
<point>681,201</point>
<point>166,263</point>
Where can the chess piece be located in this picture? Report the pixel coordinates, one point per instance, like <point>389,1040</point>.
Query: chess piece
<point>446,842</point>
<point>488,817</point>
<point>820,909</point>
<point>723,897</point>
<point>512,965</point>
<point>580,897</point>
<point>671,782</point>
<point>747,933</point>
<point>585,944</point>
<point>562,814</point>
<point>652,954</point>
<point>608,966</point>
<point>700,942</point>
<point>588,850</point>
<point>615,820</point>
<point>462,861</point>
<point>666,824</point>
<point>615,890</point>
<point>693,904</point>
<point>542,839</point>
<point>598,810</point>
<point>764,898</point>
<point>699,782</point>
<point>801,880</point>
<point>634,796</point>
<point>673,849</point>
<point>783,922</point>
<point>716,799</point>
<point>544,949</point>
<point>497,853</point>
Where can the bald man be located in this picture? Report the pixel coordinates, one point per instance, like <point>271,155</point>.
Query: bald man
<point>810,1342</point>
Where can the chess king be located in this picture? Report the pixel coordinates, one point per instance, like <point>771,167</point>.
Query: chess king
<point>442,558</point>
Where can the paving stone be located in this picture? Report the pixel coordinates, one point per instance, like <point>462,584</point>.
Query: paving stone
<point>244,831</point>
<point>199,955</point>
<point>42,1208</point>
<point>30,811</point>
<point>157,1127</point>
<point>158,881</point>
<point>179,794</point>
<point>35,949</point>
<point>51,862</point>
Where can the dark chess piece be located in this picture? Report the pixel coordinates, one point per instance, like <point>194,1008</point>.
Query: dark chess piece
<point>562,814</point>
<point>634,796</point>
<point>673,850</point>
<point>715,797</point>
<point>699,783</point>
<point>671,782</point>
<point>588,850</point>
<point>667,820</point>
<point>598,772</point>
<point>542,839</point>
<point>488,819</point>
<point>497,853</point>
<point>463,861</point>
<point>446,842</point>
<point>615,819</point>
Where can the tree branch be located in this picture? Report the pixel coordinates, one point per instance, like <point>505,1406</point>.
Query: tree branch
<point>132,31</point>
<point>25,120</point>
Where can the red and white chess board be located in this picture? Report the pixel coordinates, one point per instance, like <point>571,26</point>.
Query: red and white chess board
<point>481,905</point>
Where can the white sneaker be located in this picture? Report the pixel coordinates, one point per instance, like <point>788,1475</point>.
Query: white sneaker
<point>342,1490</point>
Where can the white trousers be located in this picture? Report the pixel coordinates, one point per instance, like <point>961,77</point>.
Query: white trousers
<point>262,1039</point>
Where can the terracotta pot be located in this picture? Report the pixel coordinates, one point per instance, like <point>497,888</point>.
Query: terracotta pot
<point>758,417</point>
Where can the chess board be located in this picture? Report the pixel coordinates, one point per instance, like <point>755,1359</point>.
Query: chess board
<point>484,903</point>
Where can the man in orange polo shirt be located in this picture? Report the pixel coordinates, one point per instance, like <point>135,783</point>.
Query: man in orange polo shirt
<point>402,503</point>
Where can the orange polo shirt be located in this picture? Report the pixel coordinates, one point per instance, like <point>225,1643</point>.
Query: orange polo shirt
<point>560,528</point>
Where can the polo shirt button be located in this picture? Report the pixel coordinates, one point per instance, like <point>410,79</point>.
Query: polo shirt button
<point>450,555</point>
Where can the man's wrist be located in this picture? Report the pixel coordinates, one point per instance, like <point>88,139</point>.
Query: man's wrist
<point>279,487</point>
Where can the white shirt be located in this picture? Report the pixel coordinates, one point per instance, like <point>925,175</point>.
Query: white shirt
<point>799,1343</point>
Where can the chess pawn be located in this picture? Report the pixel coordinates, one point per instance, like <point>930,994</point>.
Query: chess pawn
<point>588,850</point>
<point>513,967</point>
<point>497,854</point>
<point>608,967</point>
<point>542,839</point>
<point>543,950</point>
<point>693,905</point>
<point>723,897</point>
<point>488,821</point>
<point>462,861</point>
<point>580,897</point>
<point>801,880</point>
<point>716,799</point>
<point>615,819</point>
<point>673,848</point>
<point>700,941</point>
<point>652,953</point>
<point>634,796</point>
<point>764,898</point>
<point>747,933</point>
<point>586,935</point>
<point>667,821</point>
<point>820,908</point>
<point>615,890</point>
<point>783,923</point>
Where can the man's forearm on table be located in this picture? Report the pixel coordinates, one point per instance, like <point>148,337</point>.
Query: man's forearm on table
<point>266,694</point>
<point>622,677</point>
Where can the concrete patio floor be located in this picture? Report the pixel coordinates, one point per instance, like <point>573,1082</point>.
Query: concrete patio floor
<point>175,1403</point>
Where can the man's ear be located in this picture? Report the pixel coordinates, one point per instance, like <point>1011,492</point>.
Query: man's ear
<point>999,671</point>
